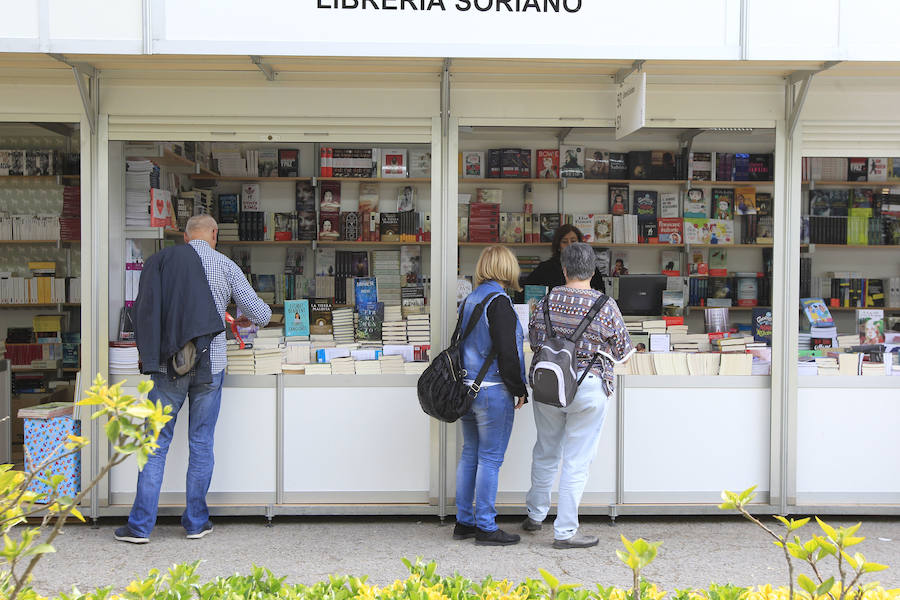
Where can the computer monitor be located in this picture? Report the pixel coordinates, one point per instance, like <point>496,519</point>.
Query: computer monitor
<point>641,294</point>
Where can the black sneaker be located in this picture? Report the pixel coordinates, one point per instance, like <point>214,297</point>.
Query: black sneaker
<point>530,524</point>
<point>124,534</point>
<point>463,532</point>
<point>206,529</point>
<point>498,537</point>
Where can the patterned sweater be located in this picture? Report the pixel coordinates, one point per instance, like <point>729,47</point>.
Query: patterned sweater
<point>606,334</point>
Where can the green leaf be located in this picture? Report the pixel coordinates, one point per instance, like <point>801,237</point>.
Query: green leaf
<point>783,521</point>
<point>144,387</point>
<point>828,529</point>
<point>850,560</point>
<point>806,583</point>
<point>552,581</point>
<point>873,567</point>
<point>798,523</point>
<point>42,549</point>
<point>825,586</point>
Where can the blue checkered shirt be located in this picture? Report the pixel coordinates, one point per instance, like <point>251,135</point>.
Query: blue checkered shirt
<point>227,281</point>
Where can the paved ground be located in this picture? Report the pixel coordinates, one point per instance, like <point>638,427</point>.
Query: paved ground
<point>695,551</point>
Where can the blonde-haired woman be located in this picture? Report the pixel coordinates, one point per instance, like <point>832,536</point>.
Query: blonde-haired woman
<point>495,341</point>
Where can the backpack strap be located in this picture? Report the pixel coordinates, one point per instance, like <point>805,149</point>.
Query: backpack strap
<point>547,325</point>
<point>588,318</point>
<point>588,369</point>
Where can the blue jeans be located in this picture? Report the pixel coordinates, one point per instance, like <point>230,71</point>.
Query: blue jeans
<point>486,430</point>
<point>570,434</point>
<point>203,412</point>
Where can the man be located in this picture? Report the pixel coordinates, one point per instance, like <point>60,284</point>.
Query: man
<point>181,304</point>
<point>572,433</point>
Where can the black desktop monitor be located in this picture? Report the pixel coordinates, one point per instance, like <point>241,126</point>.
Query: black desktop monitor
<point>641,294</point>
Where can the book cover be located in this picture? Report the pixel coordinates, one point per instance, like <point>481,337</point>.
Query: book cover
<point>698,261</point>
<point>618,199</point>
<point>320,316</point>
<point>228,208</point>
<point>284,222</point>
<point>534,293</point>
<point>662,164</point>
<point>764,204</point>
<point>645,204</point>
<point>296,317</point>
<point>816,311</point>
<point>330,200</point>
<point>410,265</point>
<point>870,323</point>
<point>390,227</point>
<point>762,325</point>
<point>371,319</point>
<point>571,162</point>
<point>368,197</point>
<point>670,230</point>
<point>548,164</point>
<point>718,262</point>
<point>509,162</point>
<point>648,232</point>
<point>741,166</point>
<point>394,163</point>
<point>412,300</point>
<point>513,230</point>
<point>250,197</point>
<point>549,223</point>
<point>359,263</point>
<point>701,166</point>
<point>722,203</point>
<point>670,262</point>
<point>585,224</point>
<point>159,211</point>
<point>419,164</point>
<point>473,165</point>
<point>618,263</point>
<point>747,289</point>
<point>406,199</point>
<point>268,162</point>
<point>708,231</point>
<point>857,169</point>
<point>639,164</point>
<point>618,165</point>
<point>365,290</point>
<point>603,225</point>
<point>601,260</point>
<point>668,205</point>
<point>695,204</point>
<point>745,200</point>
<point>329,226</point>
<point>596,164</point>
<point>760,167</point>
<point>288,162</point>
<point>862,202</point>
<point>878,169</point>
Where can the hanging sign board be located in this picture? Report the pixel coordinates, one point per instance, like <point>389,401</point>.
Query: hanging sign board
<point>631,104</point>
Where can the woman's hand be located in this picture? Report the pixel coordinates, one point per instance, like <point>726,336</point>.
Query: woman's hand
<point>520,401</point>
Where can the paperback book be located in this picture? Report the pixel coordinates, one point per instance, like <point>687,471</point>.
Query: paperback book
<point>296,317</point>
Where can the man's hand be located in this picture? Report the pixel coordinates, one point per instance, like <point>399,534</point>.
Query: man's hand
<point>520,402</point>
<point>243,321</point>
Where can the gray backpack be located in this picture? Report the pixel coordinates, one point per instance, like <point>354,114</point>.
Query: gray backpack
<point>553,368</point>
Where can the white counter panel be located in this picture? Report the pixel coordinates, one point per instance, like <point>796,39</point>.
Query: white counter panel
<point>848,450</point>
<point>244,453</point>
<point>515,474</point>
<point>686,445</point>
<point>355,445</point>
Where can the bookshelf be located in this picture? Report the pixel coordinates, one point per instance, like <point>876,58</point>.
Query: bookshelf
<point>397,180</point>
<point>167,158</point>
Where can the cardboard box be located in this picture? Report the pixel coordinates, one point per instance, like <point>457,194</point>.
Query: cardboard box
<point>45,439</point>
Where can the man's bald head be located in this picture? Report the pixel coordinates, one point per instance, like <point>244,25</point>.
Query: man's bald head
<point>201,227</point>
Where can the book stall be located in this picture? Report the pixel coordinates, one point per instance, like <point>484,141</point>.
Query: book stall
<point>746,224</point>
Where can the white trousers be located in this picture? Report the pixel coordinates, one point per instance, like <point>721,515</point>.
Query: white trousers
<point>570,435</point>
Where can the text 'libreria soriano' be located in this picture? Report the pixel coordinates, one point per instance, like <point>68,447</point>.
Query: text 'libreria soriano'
<point>513,6</point>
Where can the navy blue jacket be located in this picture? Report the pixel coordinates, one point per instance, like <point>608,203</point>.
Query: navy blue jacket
<point>174,306</point>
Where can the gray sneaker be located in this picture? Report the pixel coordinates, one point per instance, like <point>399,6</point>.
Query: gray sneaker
<point>530,524</point>
<point>576,541</point>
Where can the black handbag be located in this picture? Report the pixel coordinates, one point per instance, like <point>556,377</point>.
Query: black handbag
<point>441,389</point>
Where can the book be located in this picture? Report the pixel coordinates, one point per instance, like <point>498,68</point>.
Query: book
<point>365,290</point>
<point>571,162</point>
<point>870,324</point>
<point>670,262</point>
<point>878,169</point>
<point>159,207</point>
<point>585,224</point>
<point>390,227</point>
<point>548,164</point>
<point>618,199</point>
<point>549,223</point>
<point>857,169</point>
<point>284,226</point>
<point>296,317</point>
<point>288,162</point>
<point>816,312</point>
<point>760,167</point>
<point>394,163</point>
<point>268,162</point>
<point>618,263</point>
<point>603,225</point>
<point>639,164</point>
<point>419,164</point>
<point>618,165</point>
<point>722,203</point>
<point>596,164</point>
<point>718,262</point>
<point>305,205</point>
<point>473,165</point>
<point>668,205</point>
<point>708,231</point>
<point>762,325</point>
<point>533,293</point>
<point>410,265</point>
<point>695,204</point>
<point>698,261</point>
<point>330,200</point>
<point>329,226</point>
<point>368,197</point>
<point>670,230</point>
<point>371,320</point>
<point>228,208</point>
<point>700,166</point>
<point>745,200</point>
<point>48,410</point>
<point>320,319</point>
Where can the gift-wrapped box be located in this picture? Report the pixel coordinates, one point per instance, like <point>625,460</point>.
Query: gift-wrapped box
<point>46,438</point>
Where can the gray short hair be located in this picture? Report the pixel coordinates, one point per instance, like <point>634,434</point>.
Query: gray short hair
<point>199,223</point>
<point>579,261</point>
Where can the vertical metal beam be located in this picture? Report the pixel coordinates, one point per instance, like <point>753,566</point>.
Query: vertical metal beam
<point>445,305</point>
<point>279,439</point>
<point>98,211</point>
<point>147,26</point>
<point>745,29</point>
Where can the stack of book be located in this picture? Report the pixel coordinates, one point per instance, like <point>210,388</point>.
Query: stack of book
<point>484,222</point>
<point>414,368</point>
<point>873,369</point>
<point>847,341</point>
<point>267,361</point>
<point>228,232</point>
<point>704,363</point>
<point>368,367</point>
<point>418,329</point>
<point>387,276</point>
<point>318,369</point>
<point>240,360</point>
<point>123,359</point>
<point>140,177</point>
<point>731,344</point>
<point>827,366</point>
<point>670,363</point>
<point>342,324</point>
<point>736,364</point>
<point>393,330</point>
<point>392,365</point>
<point>70,220</point>
<point>850,363</point>
<point>343,366</point>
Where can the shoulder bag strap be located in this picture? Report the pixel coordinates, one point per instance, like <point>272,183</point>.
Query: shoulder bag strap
<point>588,318</point>
<point>454,339</point>
<point>476,314</point>
<point>482,373</point>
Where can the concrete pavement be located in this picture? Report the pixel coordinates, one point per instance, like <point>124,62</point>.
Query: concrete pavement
<point>695,551</point>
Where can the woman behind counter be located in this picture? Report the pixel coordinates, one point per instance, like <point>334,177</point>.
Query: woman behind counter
<point>550,271</point>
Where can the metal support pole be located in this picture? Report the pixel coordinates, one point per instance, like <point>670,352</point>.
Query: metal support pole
<point>620,440</point>
<point>279,439</point>
<point>92,115</point>
<point>445,199</point>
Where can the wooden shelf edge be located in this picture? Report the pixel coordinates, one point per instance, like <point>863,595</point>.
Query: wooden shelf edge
<point>378,179</point>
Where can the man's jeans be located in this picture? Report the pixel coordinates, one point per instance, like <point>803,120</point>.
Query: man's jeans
<point>571,434</point>
<point>486,430</point>
<point>203,412</point>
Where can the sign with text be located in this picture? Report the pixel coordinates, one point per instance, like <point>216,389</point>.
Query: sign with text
<point>631,104</point>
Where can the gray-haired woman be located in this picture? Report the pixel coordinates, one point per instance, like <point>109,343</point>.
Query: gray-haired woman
<point>571,434</point>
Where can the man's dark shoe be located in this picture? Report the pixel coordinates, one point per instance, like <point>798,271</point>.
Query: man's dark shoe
<point>199,534</point>
<point>530,524</point>
<point>124,534</point>
<point>463,532</point>
<point>498,537</point>
<point>576,541</point>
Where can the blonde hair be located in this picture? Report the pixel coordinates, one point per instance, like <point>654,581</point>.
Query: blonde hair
<point>499,264</point>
